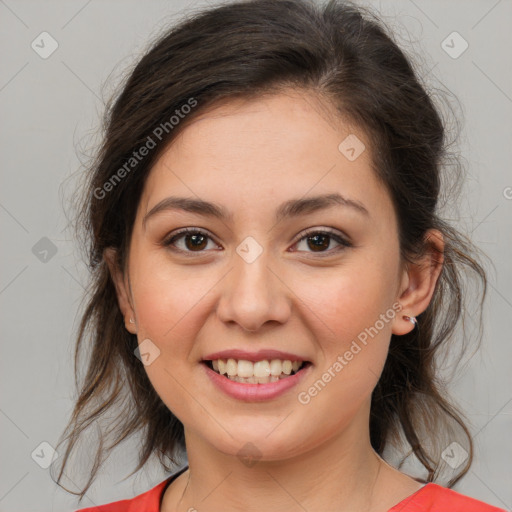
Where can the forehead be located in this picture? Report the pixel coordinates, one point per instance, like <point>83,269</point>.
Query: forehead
<point>269,127</point>
<point>265,149</point>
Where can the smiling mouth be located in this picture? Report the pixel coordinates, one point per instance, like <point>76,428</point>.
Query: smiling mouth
<point>260,372</point>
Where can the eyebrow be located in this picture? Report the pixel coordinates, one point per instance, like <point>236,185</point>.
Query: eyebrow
<point>290,208</point>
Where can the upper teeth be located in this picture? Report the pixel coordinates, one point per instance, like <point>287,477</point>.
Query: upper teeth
<point>265,368</point>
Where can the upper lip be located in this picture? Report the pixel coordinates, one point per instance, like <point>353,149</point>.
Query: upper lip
<point>260,355</point>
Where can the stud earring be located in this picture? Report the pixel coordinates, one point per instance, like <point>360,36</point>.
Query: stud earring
<point>131,320</point>
<point>411,319</point>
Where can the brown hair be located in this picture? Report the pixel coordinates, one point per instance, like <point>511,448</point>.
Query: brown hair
<point>244,49</point>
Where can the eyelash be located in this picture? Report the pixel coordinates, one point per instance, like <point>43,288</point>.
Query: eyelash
<point>303,235</point>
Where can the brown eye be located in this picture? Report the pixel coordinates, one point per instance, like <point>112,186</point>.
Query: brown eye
<point>192,240</point>
<point>320,241</point>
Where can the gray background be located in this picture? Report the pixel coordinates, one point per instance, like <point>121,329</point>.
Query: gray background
<point>50,112</point>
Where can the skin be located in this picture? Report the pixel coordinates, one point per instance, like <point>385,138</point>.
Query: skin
<point>251,156</point>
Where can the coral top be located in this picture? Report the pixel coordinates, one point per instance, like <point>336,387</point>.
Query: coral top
<point>430,498</point>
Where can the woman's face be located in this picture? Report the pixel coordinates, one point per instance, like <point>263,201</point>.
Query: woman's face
<point>254,281</point>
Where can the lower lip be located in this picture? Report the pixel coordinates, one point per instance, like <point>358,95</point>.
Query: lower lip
<point>255,392</point>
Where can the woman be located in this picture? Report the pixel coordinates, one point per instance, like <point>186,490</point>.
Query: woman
<point>272,279</point>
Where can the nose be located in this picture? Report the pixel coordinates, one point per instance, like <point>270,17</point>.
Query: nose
<point>253,295</point>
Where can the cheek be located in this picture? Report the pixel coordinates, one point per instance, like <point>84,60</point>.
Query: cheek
<point>350,313</point>
<point>347,299</point>
<point>169,306</point>
<point>163,292</point>
<point>172,304</point>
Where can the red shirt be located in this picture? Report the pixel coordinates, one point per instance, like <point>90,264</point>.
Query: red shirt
<point>430,498</point>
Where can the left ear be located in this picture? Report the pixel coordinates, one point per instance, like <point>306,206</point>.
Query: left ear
<point>419,281</point>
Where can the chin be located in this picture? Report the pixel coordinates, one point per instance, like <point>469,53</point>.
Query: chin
<point>255,444</point>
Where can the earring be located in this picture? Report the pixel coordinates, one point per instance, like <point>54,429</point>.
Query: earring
<point>411,319</point>
<point>131,320</point>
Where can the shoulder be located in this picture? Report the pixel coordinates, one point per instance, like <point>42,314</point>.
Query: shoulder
<point>436,498</point>
<point>148,501</point>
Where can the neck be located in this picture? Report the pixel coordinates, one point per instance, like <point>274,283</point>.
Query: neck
<point>341,474</point>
